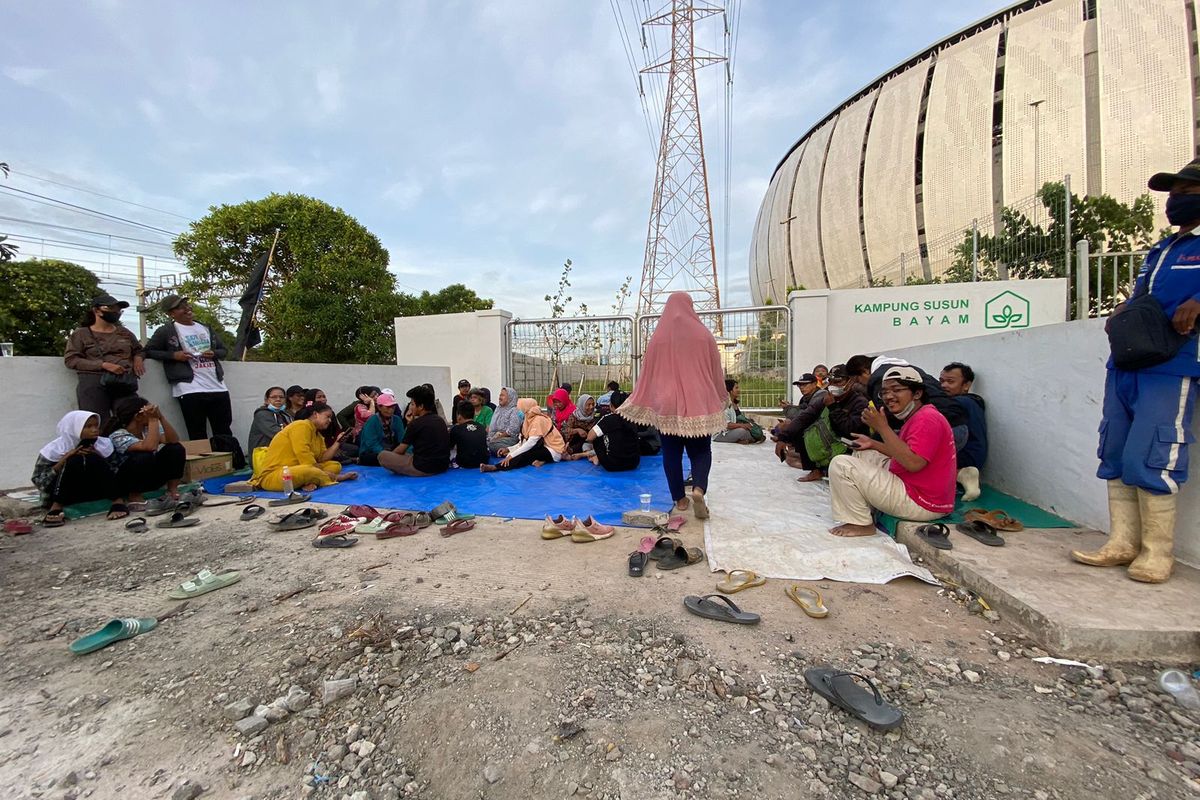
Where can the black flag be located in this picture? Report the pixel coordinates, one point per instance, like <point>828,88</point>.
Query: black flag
<point>248,335</point>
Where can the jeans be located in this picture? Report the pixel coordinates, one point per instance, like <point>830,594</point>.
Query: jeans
<point>699,451</point>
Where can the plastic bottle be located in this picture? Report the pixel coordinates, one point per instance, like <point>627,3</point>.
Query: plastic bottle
<point>1179,685</point>
<point>287,480</point>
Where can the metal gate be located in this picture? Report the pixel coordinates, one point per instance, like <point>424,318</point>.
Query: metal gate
<point>589,352</point>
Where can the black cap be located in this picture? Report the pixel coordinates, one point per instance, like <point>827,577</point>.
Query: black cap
<point>295,389</point>
<point>464,382</point>
<point>108,300</point>
<point>172,302</point>
<point>1162,181</point>
<point>807,377</point>
<point>839,372</point>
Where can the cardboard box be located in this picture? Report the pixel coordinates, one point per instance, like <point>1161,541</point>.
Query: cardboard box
<point>203,463</point>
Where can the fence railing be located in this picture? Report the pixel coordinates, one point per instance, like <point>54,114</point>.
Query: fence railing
<point>1106,281</point>
<point>589,352</point>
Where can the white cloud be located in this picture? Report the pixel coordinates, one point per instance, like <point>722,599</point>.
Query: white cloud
<point>26,76</point>
<point>150,111</point>
<point>329,90</point>
<point>404,193</point>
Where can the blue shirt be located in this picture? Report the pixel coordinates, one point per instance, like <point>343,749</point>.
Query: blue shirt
<point>1175,281</point>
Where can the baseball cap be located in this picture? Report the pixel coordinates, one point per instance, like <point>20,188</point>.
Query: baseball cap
<point>385,400</point>
<point>108,300</point>
<point>172,302</point>
<point>464,383</point>
<point>903,374</point>
<point>807,377</point>
<point>839,372</point>
<point>1161,181</point>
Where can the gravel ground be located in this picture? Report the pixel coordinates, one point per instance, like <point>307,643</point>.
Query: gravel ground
<point>496,665</point>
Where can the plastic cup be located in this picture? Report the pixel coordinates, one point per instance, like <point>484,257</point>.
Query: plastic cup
<point>6,349</point>
<point>645,499</point>
<point>1180,686</point>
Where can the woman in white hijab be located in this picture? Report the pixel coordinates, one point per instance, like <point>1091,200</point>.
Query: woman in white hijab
<point>73,468</point>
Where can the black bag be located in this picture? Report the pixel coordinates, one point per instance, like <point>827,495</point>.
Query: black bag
<point>1142,335</point>
<point>224,443</point>
<point>123,384</point>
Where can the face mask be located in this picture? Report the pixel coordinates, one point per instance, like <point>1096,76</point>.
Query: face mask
<point>111,316</point>
<point>1183,209</point>
<point>907,411</point>
<point>837,391</point>
<point>275,407</point>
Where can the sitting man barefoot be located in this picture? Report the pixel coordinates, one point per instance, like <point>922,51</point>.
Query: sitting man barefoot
<point>909,474</point>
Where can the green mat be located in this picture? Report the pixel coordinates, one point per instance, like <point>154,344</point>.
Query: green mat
<point>1028,515</point>
<point>94,507</point>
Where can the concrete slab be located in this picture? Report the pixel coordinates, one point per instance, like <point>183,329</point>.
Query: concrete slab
<point>1072,610</point>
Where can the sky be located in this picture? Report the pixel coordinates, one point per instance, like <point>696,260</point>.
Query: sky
<point>483,142</point>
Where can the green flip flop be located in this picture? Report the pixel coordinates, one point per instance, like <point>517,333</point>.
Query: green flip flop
<point>114,631</point>
<point>204,582</point>
<point>372,527</point>
<point>451,516</point>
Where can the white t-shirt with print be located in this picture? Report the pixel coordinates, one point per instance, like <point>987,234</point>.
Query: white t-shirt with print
<point>194,339</point>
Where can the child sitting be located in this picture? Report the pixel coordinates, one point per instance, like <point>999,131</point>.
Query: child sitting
<point>469,437</point>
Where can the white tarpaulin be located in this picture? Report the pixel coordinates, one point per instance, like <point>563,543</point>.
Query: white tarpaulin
<point>763,520</point>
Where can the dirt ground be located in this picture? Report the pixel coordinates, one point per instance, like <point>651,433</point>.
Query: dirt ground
<point>494,664</point>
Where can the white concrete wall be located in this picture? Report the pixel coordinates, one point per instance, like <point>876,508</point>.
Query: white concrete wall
<point>830,326</point>
<point>1044,388</point>
<point>470,344</point>
<point>38,391</point>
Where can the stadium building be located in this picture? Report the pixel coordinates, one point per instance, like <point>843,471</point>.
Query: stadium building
<point>1101,90</point>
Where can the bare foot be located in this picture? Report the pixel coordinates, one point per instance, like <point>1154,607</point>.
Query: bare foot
<point>308,487</point>
<point>487,467</point>
<point>595,461</point>
<point>849,530</point>
<point>681,504</point>
<point>346,476</point>
<point>815,475</point>
<point>539,463</point>
<point>794,462</point>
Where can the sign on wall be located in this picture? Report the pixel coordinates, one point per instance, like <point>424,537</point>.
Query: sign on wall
<point>877,320</point>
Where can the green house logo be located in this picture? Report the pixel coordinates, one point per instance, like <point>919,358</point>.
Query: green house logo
<point>1006,310</point>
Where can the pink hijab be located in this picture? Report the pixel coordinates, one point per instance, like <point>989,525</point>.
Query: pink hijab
<point>568,407</point>
<point>681,388</point>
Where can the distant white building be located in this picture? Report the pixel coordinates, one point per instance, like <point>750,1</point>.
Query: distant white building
<point>1102,90</point>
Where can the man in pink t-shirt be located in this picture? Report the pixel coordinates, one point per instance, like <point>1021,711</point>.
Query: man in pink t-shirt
<point>909,475</point>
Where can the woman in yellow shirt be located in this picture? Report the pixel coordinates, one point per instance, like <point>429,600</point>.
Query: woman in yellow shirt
<point>301,448</point>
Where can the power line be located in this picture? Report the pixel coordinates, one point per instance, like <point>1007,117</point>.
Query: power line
<point>99,194</point>
<point>41,198</point>
<point>83,230</point>
<point>65,245</point>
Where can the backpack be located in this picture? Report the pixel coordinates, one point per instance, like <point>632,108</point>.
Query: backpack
<point>821,443</point>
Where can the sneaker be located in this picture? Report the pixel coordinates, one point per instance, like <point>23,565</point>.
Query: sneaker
<point>592,531</point>
<point>558,527</point>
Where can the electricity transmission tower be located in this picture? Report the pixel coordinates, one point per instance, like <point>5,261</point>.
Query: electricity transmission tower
<point>680,255</point>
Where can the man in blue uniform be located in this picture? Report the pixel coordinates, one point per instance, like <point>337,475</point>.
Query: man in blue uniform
<point>1146,424</point>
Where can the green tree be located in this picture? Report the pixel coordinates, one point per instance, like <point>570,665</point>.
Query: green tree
<point>43,301</point>
<point>329,296</point>
<point>454,299</point>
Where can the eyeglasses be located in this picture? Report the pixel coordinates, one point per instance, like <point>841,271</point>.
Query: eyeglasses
<point>894,392</point>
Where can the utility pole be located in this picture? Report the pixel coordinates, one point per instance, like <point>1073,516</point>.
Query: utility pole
<point>1036,105</point>
<point>141,298</point>
<point>680,253</point>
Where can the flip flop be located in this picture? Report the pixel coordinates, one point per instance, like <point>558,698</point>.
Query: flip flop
<point>214,502</point>
<point>441,510</point>
<point>114,631</point>
<point>405,526</point>
<point>999,519</point>
<point>291,499</point>
<point>458,526</point>
<point>137,525</point>
<point>681,557</point>
<point>120,509</point>
<point>729,612</point>
<point>663,546</point>
<point>638,560</point>
<point>452,516</point>
<point>18,527</point>
<point>335,541</point>
<point>160,505</point>
<point>338,526</point>
<point>366,512</point>
<point>373,527</point>
<point>936,534</point>
<point>981,532</point>
<point>699,504</point>
<point>675,523</point>
<point>178,519</point>
<point>136,507</point>
<point>252,511</point>
<point>840,689</point>
<point>748,580</point>
<point>809,600</point>
<point>646,545</point>
<point>54,519</point>
<point>296,520</point>
<point>204,582</point>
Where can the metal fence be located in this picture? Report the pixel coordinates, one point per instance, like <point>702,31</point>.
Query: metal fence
<point>588,352</point>
<point>1106,281</point>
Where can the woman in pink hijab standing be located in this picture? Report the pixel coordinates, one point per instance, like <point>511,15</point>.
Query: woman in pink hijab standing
<point>681,392</point>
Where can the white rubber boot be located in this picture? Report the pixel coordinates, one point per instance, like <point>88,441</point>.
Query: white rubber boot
<point>1125,530</point>
<point>969,478</point>
<point>1155,562</point>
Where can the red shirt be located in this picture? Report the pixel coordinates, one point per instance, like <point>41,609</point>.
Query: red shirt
<point>928,434</point>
